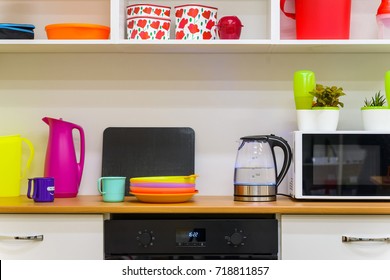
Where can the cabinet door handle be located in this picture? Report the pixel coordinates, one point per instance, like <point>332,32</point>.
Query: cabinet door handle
<point>29,237</point>
<point>362,239</point>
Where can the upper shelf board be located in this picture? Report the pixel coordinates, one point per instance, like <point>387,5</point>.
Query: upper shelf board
<point>176,46</point>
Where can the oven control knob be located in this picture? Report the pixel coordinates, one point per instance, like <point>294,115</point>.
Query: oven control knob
<point>145,238</point>
<point>236,239</point>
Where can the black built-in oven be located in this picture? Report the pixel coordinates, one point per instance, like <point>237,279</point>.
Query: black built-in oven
<point>179,236</point>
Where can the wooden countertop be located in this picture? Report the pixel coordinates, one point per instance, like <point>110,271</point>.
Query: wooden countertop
<point>198,204</point>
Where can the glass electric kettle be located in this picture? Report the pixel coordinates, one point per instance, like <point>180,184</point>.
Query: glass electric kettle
<point>255,175</point>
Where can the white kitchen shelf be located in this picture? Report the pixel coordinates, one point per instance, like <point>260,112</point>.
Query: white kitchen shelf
<point>263,31</point>
<point>173,46</point>
<point>259,46</point>
<point>332,46</point>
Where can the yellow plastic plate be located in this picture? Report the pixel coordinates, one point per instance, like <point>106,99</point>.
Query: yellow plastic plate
<point>190,179</point>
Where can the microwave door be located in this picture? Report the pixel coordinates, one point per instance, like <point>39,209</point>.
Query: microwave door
<point>345,166</point>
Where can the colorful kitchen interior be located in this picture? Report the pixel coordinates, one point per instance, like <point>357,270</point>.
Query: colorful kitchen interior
<point>210,130</point>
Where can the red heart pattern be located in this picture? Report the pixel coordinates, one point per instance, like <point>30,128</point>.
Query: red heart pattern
<point>149,10</point>
<point>191,22</point>
<point>148,28</point>
<point>195,22</point>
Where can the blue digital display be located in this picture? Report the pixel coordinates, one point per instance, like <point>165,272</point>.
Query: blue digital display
<point>190,235</point>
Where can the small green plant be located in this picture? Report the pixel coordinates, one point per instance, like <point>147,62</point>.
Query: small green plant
<point>327,96</point>
<point>377,100</point>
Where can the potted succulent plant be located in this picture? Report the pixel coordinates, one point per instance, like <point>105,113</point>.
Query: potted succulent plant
<point>327,97</point>
<point>325,109</point>
<point>375,114</point>
<point>327,104</point>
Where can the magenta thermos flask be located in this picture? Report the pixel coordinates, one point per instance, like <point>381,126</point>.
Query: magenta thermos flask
<point>61,160</point>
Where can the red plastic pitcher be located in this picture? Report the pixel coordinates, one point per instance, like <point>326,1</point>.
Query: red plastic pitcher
<point>321,19</point>
<point>383,20</point>
<point>61,159</point>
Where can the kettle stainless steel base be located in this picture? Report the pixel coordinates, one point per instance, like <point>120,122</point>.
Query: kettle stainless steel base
<point>254,193</point>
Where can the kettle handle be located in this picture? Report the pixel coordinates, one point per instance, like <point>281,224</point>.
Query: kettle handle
<point>276,141</point>
<point>80,164</point>
<point>30,158</point>
<point>290,15</point>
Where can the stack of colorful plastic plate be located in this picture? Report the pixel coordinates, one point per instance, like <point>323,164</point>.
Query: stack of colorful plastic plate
<point>163,189</point>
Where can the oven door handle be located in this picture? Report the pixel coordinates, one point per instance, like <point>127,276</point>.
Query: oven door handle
<point>363,239</point>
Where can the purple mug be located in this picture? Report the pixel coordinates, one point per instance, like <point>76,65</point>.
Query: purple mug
<point>43,189</point>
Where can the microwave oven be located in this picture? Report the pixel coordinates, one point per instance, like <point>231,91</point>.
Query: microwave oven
<point>340,165</point>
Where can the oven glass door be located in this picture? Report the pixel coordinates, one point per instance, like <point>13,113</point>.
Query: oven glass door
<point>346,164</point>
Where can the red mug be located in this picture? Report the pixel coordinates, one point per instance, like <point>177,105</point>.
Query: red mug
<point>229,27</point>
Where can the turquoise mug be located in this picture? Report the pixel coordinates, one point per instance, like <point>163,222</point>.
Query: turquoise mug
<point>112,188</point>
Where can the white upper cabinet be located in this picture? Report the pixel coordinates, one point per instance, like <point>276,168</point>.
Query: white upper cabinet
<point>266,29</point>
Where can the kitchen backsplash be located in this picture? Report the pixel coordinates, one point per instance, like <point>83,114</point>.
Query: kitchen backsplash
<point>221,96</point>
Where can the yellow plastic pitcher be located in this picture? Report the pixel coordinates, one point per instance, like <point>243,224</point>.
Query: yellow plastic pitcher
<point>11,172</point>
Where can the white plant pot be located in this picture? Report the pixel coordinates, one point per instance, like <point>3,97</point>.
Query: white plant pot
<point>327,119</point>
<point>319,119</point>
<point>307,120</point>
<point>376,118</point>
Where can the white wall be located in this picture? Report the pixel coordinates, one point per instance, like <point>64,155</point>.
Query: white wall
<point>221,96</point>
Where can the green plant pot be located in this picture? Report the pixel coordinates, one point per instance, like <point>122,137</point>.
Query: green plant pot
<point>387,87</point>
<point>304,82</point>
<point>326,108</point>
<point>375,108</point>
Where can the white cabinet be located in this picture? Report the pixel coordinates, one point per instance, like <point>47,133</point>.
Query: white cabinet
<point>255,14</point>
<point>315,237</point>
<point>51,236</point>
<point>265,28</point>
<point>43,12</point>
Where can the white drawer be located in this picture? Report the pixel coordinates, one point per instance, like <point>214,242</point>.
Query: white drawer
<point>313,237</point>
<point>65,236</point>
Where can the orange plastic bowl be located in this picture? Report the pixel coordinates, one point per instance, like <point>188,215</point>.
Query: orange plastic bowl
<point>77,31</point>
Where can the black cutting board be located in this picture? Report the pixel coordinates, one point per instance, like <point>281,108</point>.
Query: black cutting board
<point>148,151</point>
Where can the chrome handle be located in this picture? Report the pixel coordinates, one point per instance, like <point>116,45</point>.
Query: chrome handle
<point>361,239</point>
<point>30,237</point>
